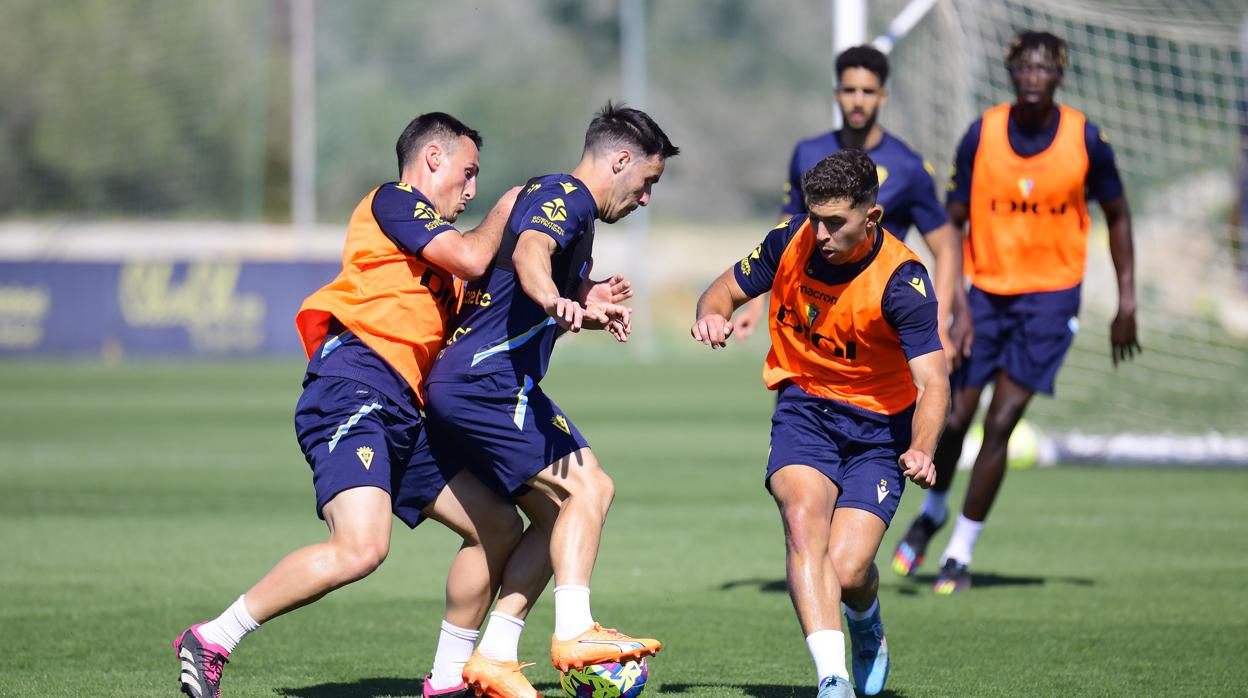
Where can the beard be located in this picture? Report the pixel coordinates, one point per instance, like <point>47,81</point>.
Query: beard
<point>866,126</point>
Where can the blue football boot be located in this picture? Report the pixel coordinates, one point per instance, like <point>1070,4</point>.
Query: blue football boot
<point>835,687</point>
<point>869,653</point>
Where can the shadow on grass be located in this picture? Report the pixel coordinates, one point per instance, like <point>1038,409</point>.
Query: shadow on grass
<point>364,688</point>
<point>754,690</point>
<point>982,580</point>
<point>913,585</point>
<point>768,585</point>
<point>395,687</point>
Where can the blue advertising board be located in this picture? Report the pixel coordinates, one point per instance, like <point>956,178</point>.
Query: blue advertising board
<point>155,307</point>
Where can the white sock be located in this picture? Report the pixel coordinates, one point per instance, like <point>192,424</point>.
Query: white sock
<point>862,615</point>
<point>454,650</point>
<point>229,628</point>
<point>572,616</point>
<point>501,639</point>
<point>965,533</point>
<point>934,506</point>
<point>827,648</point>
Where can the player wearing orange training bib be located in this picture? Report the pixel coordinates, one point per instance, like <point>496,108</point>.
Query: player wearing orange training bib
<point>1022,177</point>
<point>371,335</point>
<point>860,371</point>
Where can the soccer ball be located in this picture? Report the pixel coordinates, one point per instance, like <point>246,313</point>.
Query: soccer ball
<point>607,680</point>
<point>1023,450</point>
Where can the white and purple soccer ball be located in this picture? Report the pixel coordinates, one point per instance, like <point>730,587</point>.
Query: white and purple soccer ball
<point>607,680</point>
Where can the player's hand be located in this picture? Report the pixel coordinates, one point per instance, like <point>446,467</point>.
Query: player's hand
<point>1123,343</point>
<point>619,330</point>
<point>918,466</point>
<point>614,290</point>
<point>712,330</point>
<point>615,319</point>
<point>961,336</point>
<point>748,318</point>
<point>567,313</point>
<point>953,357</point>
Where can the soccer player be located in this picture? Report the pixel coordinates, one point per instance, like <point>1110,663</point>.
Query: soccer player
<point>371,335</point>
<point>1022,177</point>
<point>485,400</point>
<point>863,390</point>
<point>907,192</point>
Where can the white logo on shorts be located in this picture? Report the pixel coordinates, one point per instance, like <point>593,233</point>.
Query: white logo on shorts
<point>881,491</point>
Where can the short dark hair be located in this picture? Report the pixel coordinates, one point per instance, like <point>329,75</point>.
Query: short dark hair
<point>846,174</point>
<point>864,56</point>
<point>435,125</point>
<point>616,125</point>
<point>1044,41</point>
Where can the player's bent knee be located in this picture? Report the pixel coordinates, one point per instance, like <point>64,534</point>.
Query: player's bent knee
<point>853,573</point>
<point>500,532</point>
<point>603,488</point>
<point>359,559</point>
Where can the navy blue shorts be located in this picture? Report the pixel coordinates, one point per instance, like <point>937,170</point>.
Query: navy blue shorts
<point>502,427</point>
<point>354,436</point>
<point>1027,336</point>
<point>855,448</point>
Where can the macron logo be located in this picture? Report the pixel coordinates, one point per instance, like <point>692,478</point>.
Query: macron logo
<point>881,491</point>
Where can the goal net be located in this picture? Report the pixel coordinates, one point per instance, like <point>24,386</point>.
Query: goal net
<point>1166,82</point>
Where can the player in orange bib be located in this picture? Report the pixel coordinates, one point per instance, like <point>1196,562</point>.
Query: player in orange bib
<point>1022,175</point>
<point>863,390</point>
<point>371,335</point>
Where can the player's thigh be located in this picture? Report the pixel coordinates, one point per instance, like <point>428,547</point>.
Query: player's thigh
<point>1039,348</point>
<point>856,536</point>
<point>806,499</point>
<point>353,438</point>
<point>804,462</point>
<point>509,432</point>
<point>993,329</point>
<point>359,519</point>
<point>474,511</point>
<point>542,507</point>
<point>575,473</point>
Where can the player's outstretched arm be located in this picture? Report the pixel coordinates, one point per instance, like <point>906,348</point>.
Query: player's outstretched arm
<point>532,262</point>
<point>717,303</point>
<point>1123,342</point>
<point>468,255</point>
<point>932,380</point>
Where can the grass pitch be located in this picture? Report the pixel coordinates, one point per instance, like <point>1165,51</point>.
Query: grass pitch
<point>138,498</point>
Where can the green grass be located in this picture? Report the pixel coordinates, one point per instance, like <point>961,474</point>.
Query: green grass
<point>138,498</point>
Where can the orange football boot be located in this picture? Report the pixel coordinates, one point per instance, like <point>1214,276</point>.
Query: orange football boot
<point>598,645</point>
<point>489,677</point>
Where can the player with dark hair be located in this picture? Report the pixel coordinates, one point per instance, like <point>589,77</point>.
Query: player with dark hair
<point>863,390</point>
<point>1022,177</point>
<point>371,335</point>
<point>907,192</point>
<point>486,405</point>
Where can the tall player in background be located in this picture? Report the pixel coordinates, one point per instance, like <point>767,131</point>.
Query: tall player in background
<point>371,335</point>
<point>1022,175</point>
<point>862,393</point>
<point>907,192</point>
<point>486,405</point>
